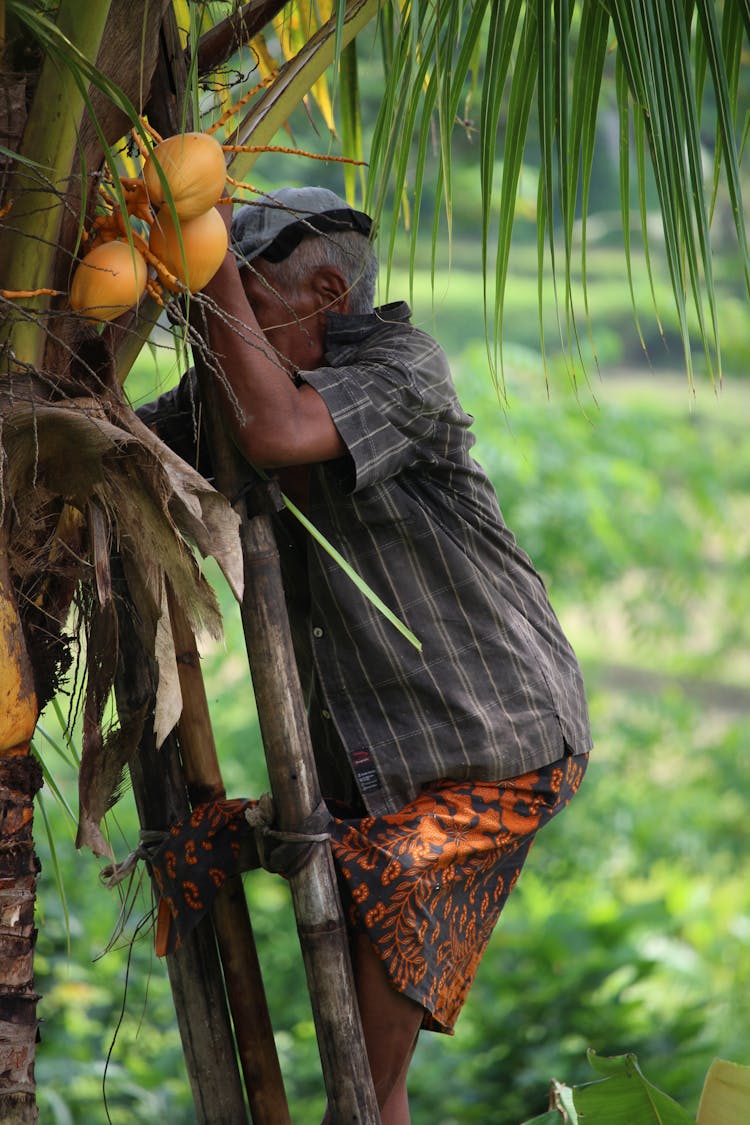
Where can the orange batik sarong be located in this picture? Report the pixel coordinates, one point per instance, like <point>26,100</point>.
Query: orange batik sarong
<point>427,884</point>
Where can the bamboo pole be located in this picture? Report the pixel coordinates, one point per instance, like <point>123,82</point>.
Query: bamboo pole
<point>244,984</point>
<point>294,783</point>
<point>247,1000</point>
<point>194,970</point>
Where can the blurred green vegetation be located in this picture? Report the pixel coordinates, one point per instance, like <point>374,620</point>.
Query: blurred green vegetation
<point>629,928</point>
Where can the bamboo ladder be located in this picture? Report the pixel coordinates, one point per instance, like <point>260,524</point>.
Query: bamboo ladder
<point>294,781</point>
<point>186,772</point>
<point>194,776</point>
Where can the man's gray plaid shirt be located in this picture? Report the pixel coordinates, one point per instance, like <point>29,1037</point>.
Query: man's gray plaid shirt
<point>496,689</point>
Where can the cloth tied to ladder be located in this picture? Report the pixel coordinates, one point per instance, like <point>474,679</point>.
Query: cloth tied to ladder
<point>193,860</point>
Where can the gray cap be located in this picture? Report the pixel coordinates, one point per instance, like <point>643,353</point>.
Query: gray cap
<point>274,226</point>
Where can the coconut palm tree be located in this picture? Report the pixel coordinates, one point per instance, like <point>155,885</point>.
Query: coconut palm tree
<point>84,94</point>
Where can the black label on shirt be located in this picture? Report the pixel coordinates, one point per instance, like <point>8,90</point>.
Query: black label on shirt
<point>364,770</point>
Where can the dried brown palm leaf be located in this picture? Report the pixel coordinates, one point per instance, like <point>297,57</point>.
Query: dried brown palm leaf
<point>134,499</point>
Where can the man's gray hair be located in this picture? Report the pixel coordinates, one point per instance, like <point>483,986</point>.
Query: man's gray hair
<point>351,253</point>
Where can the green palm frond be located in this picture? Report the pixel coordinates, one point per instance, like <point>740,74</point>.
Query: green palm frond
<point>56,866</point>
<point>55,744</point>
<point>354,577</point>
<point>537,70</point>
<point>671,61</point>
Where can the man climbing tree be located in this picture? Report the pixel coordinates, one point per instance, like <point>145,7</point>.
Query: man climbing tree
<point>77,90</point>
<point>439,766</point>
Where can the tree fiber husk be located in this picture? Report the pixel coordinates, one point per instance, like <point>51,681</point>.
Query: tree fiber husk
<point>139,501</point>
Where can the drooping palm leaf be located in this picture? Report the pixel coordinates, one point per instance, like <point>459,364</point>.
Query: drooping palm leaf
<point>723,51</point>
<point>669,58</point>
<point>351,121</point>
<point>660,81</point>
<point>623,109</point>
<point>527,49</point>
<point>587,78</point>
<point>501,37</point>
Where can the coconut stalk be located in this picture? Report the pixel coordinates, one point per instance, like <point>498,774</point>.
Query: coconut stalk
<point>242,974</point>
<point>30,243</point>
<point>20,780</point>
<point>293,779</point>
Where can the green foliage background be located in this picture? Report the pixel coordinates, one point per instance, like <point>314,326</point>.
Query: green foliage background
<point>629,927</point>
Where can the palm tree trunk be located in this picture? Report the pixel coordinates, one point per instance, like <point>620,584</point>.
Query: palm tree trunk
<point>20,780</point>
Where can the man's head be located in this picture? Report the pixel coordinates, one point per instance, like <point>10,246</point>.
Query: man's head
<point>290,235</point>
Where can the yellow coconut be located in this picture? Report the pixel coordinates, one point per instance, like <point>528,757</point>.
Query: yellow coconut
<point>108,281</point>
<point>19,708</point>
<point>193,165</point>
<point>204,242</point>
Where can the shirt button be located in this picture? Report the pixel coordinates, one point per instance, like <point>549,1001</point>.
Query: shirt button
<point>325,714</point>
<point>317,631</point>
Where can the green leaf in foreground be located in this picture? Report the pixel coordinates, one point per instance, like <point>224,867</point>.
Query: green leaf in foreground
<point>355,578</point>
<point>624,1096</point>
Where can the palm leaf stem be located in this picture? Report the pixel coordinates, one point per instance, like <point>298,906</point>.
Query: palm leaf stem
<point>725,83</point>
<point>275,104</point>
<point>30,245</point>
<point>220,42</point>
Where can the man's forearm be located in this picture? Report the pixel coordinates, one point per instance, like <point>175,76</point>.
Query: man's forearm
<point>274,422</point>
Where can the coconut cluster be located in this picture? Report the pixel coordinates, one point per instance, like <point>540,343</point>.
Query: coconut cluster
<point>183,177</point>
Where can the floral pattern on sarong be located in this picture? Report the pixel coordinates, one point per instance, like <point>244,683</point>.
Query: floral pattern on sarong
<point>428,883</point>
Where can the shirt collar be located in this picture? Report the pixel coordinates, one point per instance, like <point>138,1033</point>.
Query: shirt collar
<point>343,330</point>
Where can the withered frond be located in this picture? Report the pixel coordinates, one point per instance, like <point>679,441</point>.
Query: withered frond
<point>120,493</point>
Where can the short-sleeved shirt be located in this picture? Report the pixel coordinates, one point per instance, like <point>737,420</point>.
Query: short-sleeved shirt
<point>496,688</point>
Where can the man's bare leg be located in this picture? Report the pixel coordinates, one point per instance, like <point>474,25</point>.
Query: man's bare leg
<point>391,1023</point>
